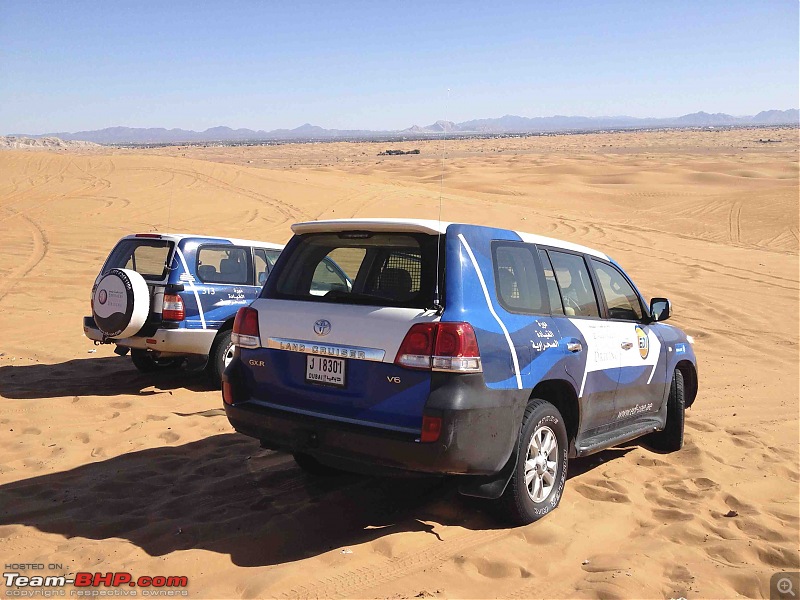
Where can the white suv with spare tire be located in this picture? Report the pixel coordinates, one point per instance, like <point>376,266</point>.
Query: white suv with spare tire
<point>166,298</point>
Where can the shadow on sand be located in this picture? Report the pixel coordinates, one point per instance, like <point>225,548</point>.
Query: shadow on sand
<point>108,376</point>
<point>227,495</point>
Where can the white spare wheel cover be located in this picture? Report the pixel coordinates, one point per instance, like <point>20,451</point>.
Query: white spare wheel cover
<point>121,303</point>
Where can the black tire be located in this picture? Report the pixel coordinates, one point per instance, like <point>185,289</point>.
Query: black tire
<point>518,504</point>
<point>216,358</point>
<point>671,438</point>
<point>147,363</point>
<point>312,466</point>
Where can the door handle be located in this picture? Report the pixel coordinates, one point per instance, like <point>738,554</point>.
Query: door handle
<point>626,345</point>
<point>574,346</point>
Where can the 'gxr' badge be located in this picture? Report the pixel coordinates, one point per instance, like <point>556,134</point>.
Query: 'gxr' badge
<point>322,327</point>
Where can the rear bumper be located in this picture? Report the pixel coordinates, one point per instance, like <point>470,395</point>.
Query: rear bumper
<point>167,341</point>
<point>479,430</point>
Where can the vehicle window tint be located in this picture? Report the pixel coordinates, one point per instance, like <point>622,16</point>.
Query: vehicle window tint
<point>556,307</point>
<point>329,274</point>
<point>223,264</point>
<point>576,287</point>
<point>272,256</point>
<point>517,279</point>
<point>262,265</point>
<point>399,274</point>
<point>381,269</point>
<point>146,257</point>
<point>622,301</point>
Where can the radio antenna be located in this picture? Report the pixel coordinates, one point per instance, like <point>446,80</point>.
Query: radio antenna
<point>437,304</point>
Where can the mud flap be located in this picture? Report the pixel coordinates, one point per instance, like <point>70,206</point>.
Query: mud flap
<point>492,486</point>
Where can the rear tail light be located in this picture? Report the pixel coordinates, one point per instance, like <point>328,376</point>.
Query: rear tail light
<point>245,328</point>
<point>431,428</point>
<point>417,347</point>
<point>227,392</point>
<point>173,308</point>
<point>440,346</point>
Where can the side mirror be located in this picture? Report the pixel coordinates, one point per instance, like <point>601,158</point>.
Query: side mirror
<point>660,309</point>
<point>262,278</point>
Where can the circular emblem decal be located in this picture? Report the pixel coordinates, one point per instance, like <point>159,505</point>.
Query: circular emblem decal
<point>102,296</point>
<point>322,327</point>
<point>644,342</point>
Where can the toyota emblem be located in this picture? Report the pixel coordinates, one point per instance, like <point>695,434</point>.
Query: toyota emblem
<point>322,327</point>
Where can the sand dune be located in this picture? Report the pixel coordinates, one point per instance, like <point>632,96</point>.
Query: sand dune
<point>105,469</point>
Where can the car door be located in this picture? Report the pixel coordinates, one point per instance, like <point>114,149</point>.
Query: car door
<point>225,274</point>
<point>595,354</point>
<point>642,373</point>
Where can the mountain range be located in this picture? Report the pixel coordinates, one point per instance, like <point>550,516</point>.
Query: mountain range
<point>508,124</point>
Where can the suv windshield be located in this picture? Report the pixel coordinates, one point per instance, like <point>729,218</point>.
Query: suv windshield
<point>380,269</point>
<point>149,258</point>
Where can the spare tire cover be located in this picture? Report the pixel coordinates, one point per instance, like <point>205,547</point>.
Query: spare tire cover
<point>121,303</point>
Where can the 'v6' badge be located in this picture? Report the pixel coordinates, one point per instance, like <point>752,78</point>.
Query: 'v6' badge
<point>322,327</point>
<point>394,379</point>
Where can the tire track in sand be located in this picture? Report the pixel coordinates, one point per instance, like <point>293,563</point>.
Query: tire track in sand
<point>40,247</point>
<point>349,582</point>
<point>735,225</point>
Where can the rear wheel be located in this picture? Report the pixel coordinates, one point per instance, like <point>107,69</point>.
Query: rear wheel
<point>146,362</point>
<point>671,438</point>
<point>220,357</point>
<point>311,465</point>
<point>538,481</point>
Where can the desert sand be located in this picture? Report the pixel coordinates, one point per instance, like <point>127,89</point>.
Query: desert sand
<point>105,469</point>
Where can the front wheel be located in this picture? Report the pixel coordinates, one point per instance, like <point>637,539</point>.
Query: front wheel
<point>541,472</point>
<point>671,438</point>
<point>220,357</point>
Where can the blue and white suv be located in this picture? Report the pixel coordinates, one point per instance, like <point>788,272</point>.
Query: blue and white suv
<point>455,349</point>
<point>166,297</point>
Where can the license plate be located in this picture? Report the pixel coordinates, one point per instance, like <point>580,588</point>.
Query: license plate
<point>325,371</point>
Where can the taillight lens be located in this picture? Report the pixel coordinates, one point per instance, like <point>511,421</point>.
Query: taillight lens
<point>417,347</point>
<point>440,346</point>
<point>245,328</point>
<point>173,308</point>
<point>431,428</point>
<point>227,392</point>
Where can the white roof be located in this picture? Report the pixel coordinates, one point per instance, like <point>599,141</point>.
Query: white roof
<point>175,237</point>
<point>428,226</point>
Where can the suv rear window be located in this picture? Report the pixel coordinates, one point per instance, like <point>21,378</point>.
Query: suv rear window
<point>148,257</point>
<point>380,269</point>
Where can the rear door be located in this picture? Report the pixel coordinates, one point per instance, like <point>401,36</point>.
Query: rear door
<point>151,256</point>
<point>219,282</point>
<point>332,317</point>
<point>595,360</point>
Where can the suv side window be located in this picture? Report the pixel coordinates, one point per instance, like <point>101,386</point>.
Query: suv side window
<point>576,288</point>
<point>263,265</point>
<point>517,279</point>
<point>621,300</point>
<point>556,307</point>
<point>224,264</point>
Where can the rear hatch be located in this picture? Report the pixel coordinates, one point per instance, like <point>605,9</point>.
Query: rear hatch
<point>332,318</point>
<point>149,255</point>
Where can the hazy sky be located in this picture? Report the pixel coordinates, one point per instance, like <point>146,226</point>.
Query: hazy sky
<point>69,65</point>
